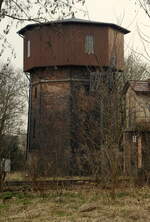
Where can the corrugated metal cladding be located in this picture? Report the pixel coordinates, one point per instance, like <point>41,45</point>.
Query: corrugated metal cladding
<point>78,44</point>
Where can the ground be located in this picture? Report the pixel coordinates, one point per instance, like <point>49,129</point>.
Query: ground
<point>76,204</point>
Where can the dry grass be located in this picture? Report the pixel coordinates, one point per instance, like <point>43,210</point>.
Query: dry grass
<point>21,176</point>
<point>132,204</point>
<point>15,176</point>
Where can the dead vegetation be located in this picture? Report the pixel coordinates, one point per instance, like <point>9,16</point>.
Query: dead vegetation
<point>76,204</point>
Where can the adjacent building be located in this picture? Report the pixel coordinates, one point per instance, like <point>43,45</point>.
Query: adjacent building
<point>137,132</point>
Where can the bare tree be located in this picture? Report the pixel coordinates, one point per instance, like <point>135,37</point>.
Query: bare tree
<point>135,68</point>
<point>144,36</point>
<point>14,13</point>
<point>12,104</point>
<point>37,10</point>
<point>44,10</point>
<point>145,5</point>
<point>102,122</point>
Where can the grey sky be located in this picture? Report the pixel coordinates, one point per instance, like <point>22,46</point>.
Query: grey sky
<point>125,13</point>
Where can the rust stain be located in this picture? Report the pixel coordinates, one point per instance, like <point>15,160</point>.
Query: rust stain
<point>65,46</point>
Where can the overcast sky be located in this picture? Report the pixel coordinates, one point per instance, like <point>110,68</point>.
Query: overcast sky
<point>125,13</point>
<point>121,12</point>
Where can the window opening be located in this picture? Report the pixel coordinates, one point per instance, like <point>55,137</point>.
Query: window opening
<point>134,138</point>
<point>87,89</point>
<point>28,48</point>
<point>34,127</point>
<point>89,44</point>
<point>35,92</point>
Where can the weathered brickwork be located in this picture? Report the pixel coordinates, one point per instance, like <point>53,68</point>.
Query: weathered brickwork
<point>55,114</point>
<point>60,57</point>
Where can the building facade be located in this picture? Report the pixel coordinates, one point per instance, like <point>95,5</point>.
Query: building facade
<point>60,58</point>
<point>137,132</point>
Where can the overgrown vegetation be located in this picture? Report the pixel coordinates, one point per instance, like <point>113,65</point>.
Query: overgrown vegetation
<point>12,103</point>
<point>131,204</point>
<point>102,120</point>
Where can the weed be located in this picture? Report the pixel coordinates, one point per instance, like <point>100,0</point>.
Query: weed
<point>61,213</point>
<point>3,206</point>
<point>146,196</point>
<point>6,195</point>
<point>24,201</point>
<point>122,194</point>
<point>126,206</point>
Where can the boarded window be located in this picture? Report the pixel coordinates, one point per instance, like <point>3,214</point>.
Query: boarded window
<point>89,44</point>
<point>34,127</point>
<point>35,92</point>
<point>87,89</point>
<point>113,61</point>
<point>140,152</point>
<point>28,48</point>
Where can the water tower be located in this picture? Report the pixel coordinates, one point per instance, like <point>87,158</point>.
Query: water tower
<point>59,57</point>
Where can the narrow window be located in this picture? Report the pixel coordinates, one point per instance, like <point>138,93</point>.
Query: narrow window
<point>134,138</point>
<point>95,79</point>
<point>140,152</point>
<point>87,89</point>
<point>34,127</point>
<point>113,61</point>
<point>89,44</point>
<point>35,92</point>
<point>28,48</point>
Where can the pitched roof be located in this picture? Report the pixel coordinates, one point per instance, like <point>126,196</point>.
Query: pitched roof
<point>74,21</point>
<point>142,86</point>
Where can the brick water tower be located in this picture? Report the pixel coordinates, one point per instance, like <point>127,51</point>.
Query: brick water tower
<point>59,57</point>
